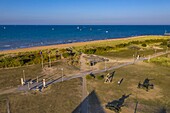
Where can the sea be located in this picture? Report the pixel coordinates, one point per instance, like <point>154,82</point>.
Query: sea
<point>23,36</point>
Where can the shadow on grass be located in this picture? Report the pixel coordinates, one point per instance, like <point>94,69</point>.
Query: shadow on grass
<point>90,103</point>
<point>116,105</point>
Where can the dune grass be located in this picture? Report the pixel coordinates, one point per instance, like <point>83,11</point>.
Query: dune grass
<point>124,40</point>
<point>162,60</point>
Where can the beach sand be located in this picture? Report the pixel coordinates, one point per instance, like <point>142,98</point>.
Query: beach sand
<point>76,44</point>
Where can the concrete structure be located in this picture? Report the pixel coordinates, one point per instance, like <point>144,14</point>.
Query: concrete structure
<point>44,85</point>
<point>22,81</point>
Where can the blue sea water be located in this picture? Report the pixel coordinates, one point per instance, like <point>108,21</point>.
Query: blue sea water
<point>22,36</point>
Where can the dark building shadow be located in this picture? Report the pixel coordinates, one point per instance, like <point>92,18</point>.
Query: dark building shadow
<point>162,110</point>
<point>92,103</point>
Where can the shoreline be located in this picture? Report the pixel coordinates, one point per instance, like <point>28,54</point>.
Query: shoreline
<point>75,44</point>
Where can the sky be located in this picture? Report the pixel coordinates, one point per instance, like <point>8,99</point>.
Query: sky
<point>84,12</point>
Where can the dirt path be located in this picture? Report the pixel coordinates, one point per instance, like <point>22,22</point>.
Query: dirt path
<point>84,66</point>
<point>8,91</point>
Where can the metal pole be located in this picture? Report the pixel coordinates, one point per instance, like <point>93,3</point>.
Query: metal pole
<point>24,75</point>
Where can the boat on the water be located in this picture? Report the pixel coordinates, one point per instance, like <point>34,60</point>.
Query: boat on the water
<point>166,34</point>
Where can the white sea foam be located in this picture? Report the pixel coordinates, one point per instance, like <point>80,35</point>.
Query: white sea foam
<point>7,45</point>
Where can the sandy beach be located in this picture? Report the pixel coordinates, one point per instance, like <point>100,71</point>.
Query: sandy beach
<point>74,44</point>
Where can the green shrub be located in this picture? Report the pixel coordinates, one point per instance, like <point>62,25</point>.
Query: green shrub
<point>168,45</point>
<point>144,45</point>
<point>164,43</point>
<point>90,51</point>
<point>29,58</point>
<point>134,42</point>
<point>165,61</point>
<point>104,49</point>
<point>100,77</point>
<point>122,45</point>
<point>65,55</point>
<point>88,77</point>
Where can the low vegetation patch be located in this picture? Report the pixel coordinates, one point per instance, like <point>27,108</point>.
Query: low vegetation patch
<point>71,54</point>
<point>61,98</point>
<point>165,61</point>
<point>36,57</point>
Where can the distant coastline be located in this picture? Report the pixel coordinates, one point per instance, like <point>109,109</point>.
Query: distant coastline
<point>76,44</point>
<point>15,37</point>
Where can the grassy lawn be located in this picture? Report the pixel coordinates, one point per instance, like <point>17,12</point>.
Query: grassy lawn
<point>3,108</point>
<point>58,98</point>
<point>11,77</point>
<point>149,102</point>
<point>128,53</point>
<point>162,60</point>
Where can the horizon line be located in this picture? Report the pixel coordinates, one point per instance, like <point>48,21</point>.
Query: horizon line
<point>86,24</point>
